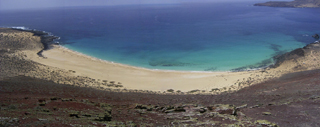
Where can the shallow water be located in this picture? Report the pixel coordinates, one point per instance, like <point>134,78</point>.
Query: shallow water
<point>192,37</point>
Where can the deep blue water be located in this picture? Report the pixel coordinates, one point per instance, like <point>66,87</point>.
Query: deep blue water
<point>193,37</point>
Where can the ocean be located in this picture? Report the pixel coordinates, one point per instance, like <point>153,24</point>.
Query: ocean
<point>184,37</point>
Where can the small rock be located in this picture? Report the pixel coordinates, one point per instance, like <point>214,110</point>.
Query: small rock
<point>148,107</point>
<point>170,90</point>
<point>266,113</point>
<point>42,104</point>
<point>54,98</point>
<point>42,100</point>
<point>242,106</point>
<point>42,119</point>
<point>179,109</point>
<point>266,123</point>
<point>270,104</point>
<point>74,114</point>
<point>202,110</point>
<point>170,111</point>
<point>255,106</point>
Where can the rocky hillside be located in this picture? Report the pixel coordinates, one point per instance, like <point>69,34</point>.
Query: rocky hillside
<point>292,100</point>
<point>296,3</point>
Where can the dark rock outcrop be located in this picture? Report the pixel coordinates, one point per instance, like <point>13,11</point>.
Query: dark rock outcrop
<point>300,52</point>
<point>295,4</point>
<point>295,54</point>
<point>316,36</point>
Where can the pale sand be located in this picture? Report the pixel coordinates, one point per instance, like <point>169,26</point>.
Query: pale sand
<point>137,78</point>
<point>158,80</point>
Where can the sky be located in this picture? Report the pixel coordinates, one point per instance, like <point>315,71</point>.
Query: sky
<point>38,4</point>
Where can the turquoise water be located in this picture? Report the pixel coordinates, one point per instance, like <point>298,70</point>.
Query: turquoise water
<point>189,37</point>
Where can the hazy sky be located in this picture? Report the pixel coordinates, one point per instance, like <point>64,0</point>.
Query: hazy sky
<point>33,4</point>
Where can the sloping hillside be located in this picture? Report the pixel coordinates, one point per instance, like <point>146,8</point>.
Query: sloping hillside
<point>27,100</point>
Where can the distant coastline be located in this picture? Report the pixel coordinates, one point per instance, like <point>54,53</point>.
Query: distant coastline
<point>294,4</point>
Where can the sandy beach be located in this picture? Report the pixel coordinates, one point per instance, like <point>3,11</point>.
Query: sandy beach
<point>139,78</point>
<point>135,78</point>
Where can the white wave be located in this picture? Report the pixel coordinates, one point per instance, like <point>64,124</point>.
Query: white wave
<point>20,27</point>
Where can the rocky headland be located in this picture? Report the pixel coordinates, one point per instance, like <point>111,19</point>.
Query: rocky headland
<point>35,94</point>
<point>295,3</point>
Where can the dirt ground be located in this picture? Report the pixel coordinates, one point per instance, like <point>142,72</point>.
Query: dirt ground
<point>292,100</point>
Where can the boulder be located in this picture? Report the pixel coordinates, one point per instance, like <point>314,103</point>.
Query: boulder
<point>179,109</point>
<point>202,110</point>
<point>316,36</point>
<point>74,114</point>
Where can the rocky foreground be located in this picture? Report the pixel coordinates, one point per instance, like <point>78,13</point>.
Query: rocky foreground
<point>32,94</point>
<point>295,3</point>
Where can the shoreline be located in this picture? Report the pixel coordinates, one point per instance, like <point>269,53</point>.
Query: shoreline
<point>56,51</point>
<point>126,65</point>
<point>238,69</point>
<point>103,73</point>
<point>49,41</point>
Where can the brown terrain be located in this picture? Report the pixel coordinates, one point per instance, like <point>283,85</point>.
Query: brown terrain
<point>34,94</point>
<point>295,3</point>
